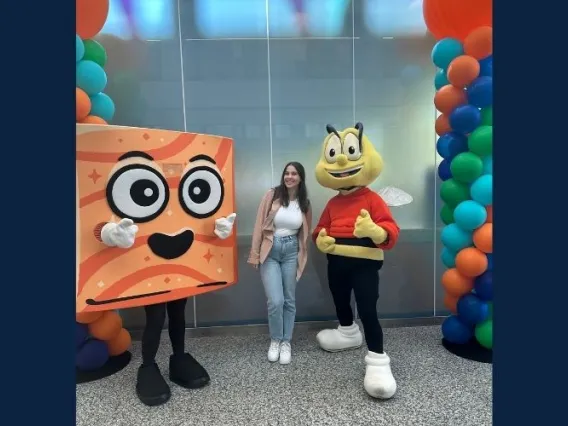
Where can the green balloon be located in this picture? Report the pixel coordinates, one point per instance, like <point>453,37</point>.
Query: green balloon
<point>453,192</point>
<point>94,51</point>
<point>480,141</point>
<point>487,116</point>
<point>484,333</point>
<point>447,214</point>
<point>466,167</point>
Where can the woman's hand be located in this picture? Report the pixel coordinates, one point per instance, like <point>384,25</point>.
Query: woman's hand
<point>255,265</point>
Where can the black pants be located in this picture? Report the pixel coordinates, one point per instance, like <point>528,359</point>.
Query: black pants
<point>362,276</point>
<point>155,318</point>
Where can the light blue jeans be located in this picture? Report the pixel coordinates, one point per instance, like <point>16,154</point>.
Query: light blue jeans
<point>278,274</point>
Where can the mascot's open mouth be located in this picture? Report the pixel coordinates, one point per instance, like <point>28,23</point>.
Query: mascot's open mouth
<point>170,246</point>
<point>345,173</point>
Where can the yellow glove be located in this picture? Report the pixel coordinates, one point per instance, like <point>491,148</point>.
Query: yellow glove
<point>366,228</point>
<point>325,243</point>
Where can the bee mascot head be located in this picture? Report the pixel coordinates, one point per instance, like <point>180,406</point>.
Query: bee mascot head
<point>348,159</point>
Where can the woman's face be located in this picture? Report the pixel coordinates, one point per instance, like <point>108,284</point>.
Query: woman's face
<point>291,177</point>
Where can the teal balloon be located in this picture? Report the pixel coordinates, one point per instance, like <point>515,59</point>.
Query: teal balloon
<point>445,51</point>
<point>482,190</point>
<point>455,239</point>
<point>90,77</point>
<point>79,48</point>
<point>470,215</point>
<point>488,165</point>
<point>448,258</point>
<point>102,106</point>
<point>441,79</point>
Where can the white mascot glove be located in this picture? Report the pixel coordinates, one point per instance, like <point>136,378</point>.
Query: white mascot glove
<point>224,226</point>
<point>121,234</point>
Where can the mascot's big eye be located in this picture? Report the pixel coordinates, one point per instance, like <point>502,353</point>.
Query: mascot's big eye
<point>137,192</point>
<point>351,147</point>
<point>332,149</point>
<point>201,192</point>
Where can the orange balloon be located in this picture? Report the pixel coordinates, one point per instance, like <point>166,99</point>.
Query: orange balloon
<point>456,18</point>
<point>442,125</point>
<point>120,343</point>
<point>463,70</point>
<point>82,104</point>
<point>90,17</point>
<point>107,327</point>
<point>88,317</point>
<point>471,262</point>
<point>479,43</point>
<point>448,98</point>
<point>483,238</point>
<point>455,283</point>
<point>93,119</point>
<point>451,303</point>
<point>489,214</point>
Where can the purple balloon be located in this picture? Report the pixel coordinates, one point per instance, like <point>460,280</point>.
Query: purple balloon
<point>465,119</point>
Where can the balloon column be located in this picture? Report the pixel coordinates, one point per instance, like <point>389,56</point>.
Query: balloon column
<point>99,336</point>
<point>92,104</point>
<point>101,342</point>
<point>464,99</point>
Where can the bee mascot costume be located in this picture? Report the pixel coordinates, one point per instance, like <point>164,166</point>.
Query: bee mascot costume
<point>355,228</point>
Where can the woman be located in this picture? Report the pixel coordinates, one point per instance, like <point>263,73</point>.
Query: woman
<point>279,247</point>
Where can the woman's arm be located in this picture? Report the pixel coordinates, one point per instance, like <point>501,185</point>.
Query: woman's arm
<point>262,212</point>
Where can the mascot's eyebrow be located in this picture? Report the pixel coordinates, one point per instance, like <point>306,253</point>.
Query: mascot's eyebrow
<point>202,157</point>
<point>330,129</point>
<point>135,154</point>
<point>359,128</point>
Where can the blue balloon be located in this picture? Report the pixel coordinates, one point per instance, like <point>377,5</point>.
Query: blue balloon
<point>444,172</point>
<point>490,262</point>
<point>102,106</point>
<point>480,92</point>
<point>441,79</point>
<point>448,258</point>
<point>455,238</point>
<point>92,355</point>
<point>90,77</point>
<point>470,215</point>
<point>486,67</point>
<point>455,331</point>
<point>472,310</point>
<point>81,334</point>
<point>484,286</point>
<point>79,48</point>
<point>481,190</point>
<point>445,51</point>
<point>488,165</point>
<point>451,144</point>
<point>465,119</point>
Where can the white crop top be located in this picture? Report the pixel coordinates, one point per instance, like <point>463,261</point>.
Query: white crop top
<point>288,220</point>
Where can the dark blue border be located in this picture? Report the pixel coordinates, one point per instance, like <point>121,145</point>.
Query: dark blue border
<point>530,325</point>
<point>38,217</point>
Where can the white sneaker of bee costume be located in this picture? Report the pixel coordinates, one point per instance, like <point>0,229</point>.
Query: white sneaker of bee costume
<point>340,338</point>
<point>274,351</point>
<point>285,353</point>
<point>379,381</point>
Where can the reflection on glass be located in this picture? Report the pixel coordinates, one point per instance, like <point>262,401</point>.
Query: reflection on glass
<point>394,18</point>
<point>145,19</point>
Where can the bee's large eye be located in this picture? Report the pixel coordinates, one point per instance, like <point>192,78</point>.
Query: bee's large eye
<point>201,192</point>
<point>137,192</point>
<point>351,147</point>
<point>332,149</point>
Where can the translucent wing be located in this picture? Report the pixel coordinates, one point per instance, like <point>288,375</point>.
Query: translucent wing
<point>395,197</point>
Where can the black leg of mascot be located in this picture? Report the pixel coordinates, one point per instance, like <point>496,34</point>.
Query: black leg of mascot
<point>354,230</point>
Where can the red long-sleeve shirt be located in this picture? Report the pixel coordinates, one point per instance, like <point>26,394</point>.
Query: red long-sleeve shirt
<point>339,216</point>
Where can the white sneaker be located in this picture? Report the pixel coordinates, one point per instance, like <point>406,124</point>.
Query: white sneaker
<point>340,338</point>
<point>274,351</point>
<point>379,381</point>
<point>285,353</point>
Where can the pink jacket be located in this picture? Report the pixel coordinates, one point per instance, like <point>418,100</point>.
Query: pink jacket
<point>262,236</point>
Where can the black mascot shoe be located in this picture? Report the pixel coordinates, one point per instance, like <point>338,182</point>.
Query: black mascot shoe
<point>151,387</point>
<point>186,372</point>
